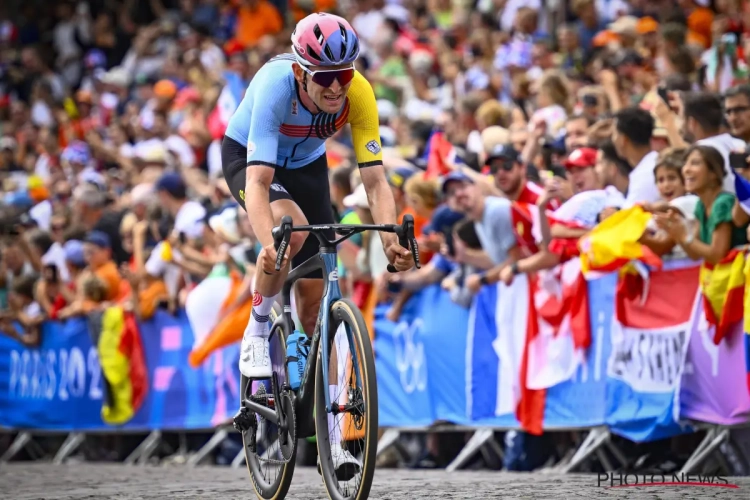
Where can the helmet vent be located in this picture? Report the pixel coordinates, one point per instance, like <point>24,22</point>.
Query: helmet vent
<point>318,34</point>
<point>344,39</point>
<point>313,54</point>
<point>355,49</point>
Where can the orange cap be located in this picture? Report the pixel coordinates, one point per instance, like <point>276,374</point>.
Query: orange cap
<point>39,194</point>
<point>165,88</point>
<point>647,25</point>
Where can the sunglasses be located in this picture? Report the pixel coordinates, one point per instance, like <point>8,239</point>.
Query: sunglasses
<point>326,77</point>
<point>504,165</point>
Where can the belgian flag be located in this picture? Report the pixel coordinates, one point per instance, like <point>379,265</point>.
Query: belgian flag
<point>121,356</point>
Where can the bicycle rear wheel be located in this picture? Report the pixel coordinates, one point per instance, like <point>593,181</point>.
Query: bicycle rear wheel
<point>269,462</point>
<point>357,396</point>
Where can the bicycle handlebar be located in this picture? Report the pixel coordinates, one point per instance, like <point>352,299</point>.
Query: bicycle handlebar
<point>282,234</point>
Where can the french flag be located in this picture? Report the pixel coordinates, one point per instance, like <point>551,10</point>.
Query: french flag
<point>229,99</point>
<point>742,189</point>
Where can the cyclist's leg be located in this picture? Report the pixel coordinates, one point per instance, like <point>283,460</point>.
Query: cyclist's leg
<point>255,359</point>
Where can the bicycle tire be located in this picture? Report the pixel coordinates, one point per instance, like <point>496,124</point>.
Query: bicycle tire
<point>278,489</point>
<point>344,310</point>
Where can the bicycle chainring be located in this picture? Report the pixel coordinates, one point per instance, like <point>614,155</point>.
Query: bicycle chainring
<point>287,449</point>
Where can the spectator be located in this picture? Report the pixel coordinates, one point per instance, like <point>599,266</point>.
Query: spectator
<point>703,119</point>
<point>632,139</point>
<point>255,20</point>
<point>611,169</point>
<point>715,234</point>
<point>98,252</point>
<point>493,223</point>
<point>93,212</point>
<point>671,185</point>
<point>737,109</point>
<point>24,310</point>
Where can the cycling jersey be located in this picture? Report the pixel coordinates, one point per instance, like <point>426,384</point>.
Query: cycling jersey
<point>280,132</point>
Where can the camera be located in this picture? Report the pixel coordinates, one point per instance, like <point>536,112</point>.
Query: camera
<point>738,159</point>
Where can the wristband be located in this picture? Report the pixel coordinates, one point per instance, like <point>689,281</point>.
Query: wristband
<point>483,280</point>
<point>514,268</point>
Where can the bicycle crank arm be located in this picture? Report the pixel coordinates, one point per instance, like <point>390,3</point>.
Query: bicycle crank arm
<point>264,411</point>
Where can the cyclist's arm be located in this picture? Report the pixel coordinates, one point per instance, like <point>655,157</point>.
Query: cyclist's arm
<point>262,149</point>
<point>363,118</point>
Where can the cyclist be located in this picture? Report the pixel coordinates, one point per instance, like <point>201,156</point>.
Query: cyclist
<point>273,157</point>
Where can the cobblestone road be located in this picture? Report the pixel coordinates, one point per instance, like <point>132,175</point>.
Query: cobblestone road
<point>27,481</point>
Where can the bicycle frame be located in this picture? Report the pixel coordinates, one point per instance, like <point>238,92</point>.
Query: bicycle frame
<point>326,262</point>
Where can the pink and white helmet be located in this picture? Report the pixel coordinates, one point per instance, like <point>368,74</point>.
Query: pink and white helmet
<point>325,40</point>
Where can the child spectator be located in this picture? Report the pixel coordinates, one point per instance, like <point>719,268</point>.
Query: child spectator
<point>671,186</point>
<point>98,252</point>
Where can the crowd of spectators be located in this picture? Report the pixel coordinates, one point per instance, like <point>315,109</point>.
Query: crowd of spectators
<point>112,116</point>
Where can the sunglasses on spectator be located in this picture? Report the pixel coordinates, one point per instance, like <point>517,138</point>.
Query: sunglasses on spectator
<point>504,165</point>
<point>326,77</point>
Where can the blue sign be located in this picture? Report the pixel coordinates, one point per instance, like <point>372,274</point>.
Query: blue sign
<point>59,385</point>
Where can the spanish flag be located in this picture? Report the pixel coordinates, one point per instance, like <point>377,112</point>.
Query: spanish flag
<point>123,365</point>
<point>723,288</point>
<point>614,243</point>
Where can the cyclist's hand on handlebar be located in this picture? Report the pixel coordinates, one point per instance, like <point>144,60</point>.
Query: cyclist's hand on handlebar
<point>399,256</point>
<point>267,259</point>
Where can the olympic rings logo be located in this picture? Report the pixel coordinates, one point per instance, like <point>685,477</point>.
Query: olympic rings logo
<point>410,359</point>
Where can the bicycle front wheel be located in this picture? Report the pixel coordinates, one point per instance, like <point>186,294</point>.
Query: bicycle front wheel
<point>353,432</point>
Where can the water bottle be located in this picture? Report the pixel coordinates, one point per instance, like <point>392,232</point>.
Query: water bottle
<point>297,349</point>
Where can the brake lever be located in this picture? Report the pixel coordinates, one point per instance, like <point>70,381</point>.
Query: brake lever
<point>403,231</point>
<point>413,246</point>
<point>281,237</point>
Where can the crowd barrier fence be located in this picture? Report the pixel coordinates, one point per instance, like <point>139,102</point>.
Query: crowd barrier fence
<point>441,367</point>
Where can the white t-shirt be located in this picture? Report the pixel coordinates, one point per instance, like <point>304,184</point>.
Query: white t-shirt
<point>213,158</point>
<point>189,219</point>
<point>725,144</point>
<point>182,149</point>
<point>157,267</point>
<point>42,167</point>
<point>554,116</point>
<point>56,256</point>
<point>642,186</point>
<point>42,214</point>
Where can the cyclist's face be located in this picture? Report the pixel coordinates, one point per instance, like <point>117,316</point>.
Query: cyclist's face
<point>328,99</point>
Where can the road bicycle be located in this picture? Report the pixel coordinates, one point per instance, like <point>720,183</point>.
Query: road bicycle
<point>271,419</point>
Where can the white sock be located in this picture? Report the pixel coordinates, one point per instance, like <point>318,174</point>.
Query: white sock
<point>334,427</point>
<point>260,322</point>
